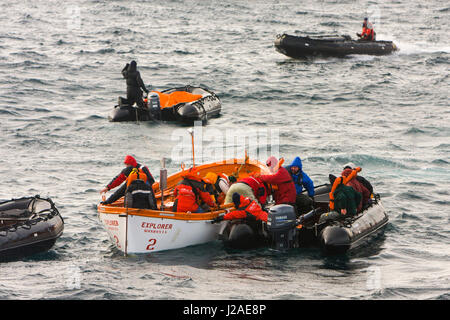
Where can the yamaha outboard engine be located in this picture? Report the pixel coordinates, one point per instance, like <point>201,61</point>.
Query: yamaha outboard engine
<point>154,105</point>
<point>281,223</point>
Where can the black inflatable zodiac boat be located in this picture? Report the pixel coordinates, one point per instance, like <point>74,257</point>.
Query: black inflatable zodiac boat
<point>338,46</point>
<point>28,226</point>
<point>185,104</point>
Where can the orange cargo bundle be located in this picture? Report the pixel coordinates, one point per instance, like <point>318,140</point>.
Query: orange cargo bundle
<point>170,99</point>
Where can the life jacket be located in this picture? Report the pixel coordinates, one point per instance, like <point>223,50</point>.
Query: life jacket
<point>190,193</point>
<point>150,179</point>
<point>224,178</point>
<point>214,180</point>
<point>220,194</point>
<point>368,32</point>
<point>260,188</point>
<point>136,174</point>
<point>247,209</point>
<point>341,180</point>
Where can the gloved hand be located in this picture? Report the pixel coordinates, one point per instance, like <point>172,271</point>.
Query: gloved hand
<point>217,219</point>
<point>232,179</point>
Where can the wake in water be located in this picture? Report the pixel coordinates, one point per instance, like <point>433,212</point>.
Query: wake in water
<point>412,46</point>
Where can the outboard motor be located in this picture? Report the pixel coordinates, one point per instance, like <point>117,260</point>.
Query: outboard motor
<point>154,105</point>
<point>281,223</point>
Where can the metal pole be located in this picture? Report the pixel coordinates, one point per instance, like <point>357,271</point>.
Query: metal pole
<point>191,132</point>
<point>126,232</point>
<point>162,181</point>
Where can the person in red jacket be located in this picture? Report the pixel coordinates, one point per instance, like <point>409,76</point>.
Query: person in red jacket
<point>358,187</point>
<point>367,31</point>
<point>280,178</point>
<point>130,163</point>
<point>245,208</point>
<point>190,194</point>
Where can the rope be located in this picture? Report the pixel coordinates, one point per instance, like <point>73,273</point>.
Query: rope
<point>34,219</point>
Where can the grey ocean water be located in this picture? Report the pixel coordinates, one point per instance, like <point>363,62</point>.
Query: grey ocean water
<point>60,65</point>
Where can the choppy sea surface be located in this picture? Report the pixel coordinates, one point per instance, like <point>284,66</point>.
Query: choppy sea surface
<point>60,64</point>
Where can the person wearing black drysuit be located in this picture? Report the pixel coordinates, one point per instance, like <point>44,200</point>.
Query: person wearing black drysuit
<point>134,84</point>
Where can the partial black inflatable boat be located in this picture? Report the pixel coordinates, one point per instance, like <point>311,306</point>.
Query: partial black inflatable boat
<point>27,226</point>
<point>338,46</point>
<point>284,230</point>
<point>342,235</point>
<point>206,107</point>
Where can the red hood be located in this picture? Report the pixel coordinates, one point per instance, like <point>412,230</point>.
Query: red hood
<point>129,160</point>
<point>346,172</point>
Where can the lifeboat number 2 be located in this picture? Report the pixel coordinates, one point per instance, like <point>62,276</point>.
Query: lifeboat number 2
<point>151,244</point>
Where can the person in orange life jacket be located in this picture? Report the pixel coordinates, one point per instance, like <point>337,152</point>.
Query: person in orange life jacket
<point>344,199</point>
<point>251,187</point>
<point>367,31</point>
<point>358,187</point>
<point>245,208</point>
<point>301,179</point>
<point>281,178</point>
<point>138,193</point>
<point>130,163</point>
<point>219,185</point>
<point>343,202</point>
<point>348,177</point>
<point>361,179</point>
<point>190,194</point>
<point>366,202</point>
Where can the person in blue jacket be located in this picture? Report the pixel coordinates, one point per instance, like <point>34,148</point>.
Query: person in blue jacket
<point>301,180</point>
